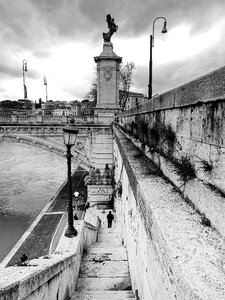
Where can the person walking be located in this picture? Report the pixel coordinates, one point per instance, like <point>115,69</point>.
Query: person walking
<point>110,218</point>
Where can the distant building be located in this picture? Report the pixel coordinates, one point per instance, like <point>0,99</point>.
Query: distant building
<point>61,112</point>
<point>76,108</point>
<point>26,104</point>
<point>87,107</point>
<point>134,99</point>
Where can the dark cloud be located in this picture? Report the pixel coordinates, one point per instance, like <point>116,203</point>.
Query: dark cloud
<point>26,23</point>
<point>37,26</point>
<point>176,73</point>
<point>7,70</point>
<point>136,17</point>
<point>13,69</point>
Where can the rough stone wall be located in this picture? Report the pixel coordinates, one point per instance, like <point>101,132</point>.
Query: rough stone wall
<point>172,253</point>
<point>102,147</point>
<point>185,129</point>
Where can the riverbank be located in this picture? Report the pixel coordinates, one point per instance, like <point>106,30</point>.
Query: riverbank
<point>37,239</point>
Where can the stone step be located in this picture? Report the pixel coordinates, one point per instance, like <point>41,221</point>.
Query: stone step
<point>104,269</point>
<point>102,295</point>
<point>100,246</point>
<point>102,254</point>
<point>103,284</point>
<point>106,230</point>
<point>105,245</point>
<point>108,239</point>
<point>107,234</point>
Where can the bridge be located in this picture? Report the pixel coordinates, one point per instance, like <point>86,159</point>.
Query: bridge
<point>50,137</point>
<point>169,191</point>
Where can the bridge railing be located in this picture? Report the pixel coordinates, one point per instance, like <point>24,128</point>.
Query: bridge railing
<point>39,119</point>
<point>53,276</point>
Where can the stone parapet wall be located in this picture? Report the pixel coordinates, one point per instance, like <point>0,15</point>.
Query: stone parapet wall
<point>50,277</point>
<point>183,133</point>
<point>205,89</point>
<point>172,253</point>
<point>39,119</point>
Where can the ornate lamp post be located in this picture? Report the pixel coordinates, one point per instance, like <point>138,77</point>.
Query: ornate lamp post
<point>46,85</point>
<point>70,135</point>
<point>164,30</point>
<point>24,86</point>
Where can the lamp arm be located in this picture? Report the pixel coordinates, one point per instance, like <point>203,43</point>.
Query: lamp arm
<point>153,28</point>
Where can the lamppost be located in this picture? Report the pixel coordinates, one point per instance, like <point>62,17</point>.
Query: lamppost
<point>70,135</point>
<point>164,30</point>
<point>24,86</point>
<point>46,84</point>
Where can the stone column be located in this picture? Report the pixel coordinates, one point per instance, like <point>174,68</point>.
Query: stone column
<point>107,85</point>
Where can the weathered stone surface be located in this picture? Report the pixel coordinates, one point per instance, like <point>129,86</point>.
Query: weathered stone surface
<point>105,284</point>
<point>104,268</point>
<point>103,295</point>
<point>172,254</point>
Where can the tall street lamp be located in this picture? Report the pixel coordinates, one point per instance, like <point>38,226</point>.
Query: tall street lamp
<point>46,85</point>
<point>70,135</point>
<point>164,30</point>
<point>24,86</point>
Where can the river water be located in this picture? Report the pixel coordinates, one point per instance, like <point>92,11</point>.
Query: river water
<point>29,178</point>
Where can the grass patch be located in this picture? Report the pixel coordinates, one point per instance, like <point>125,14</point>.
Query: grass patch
<point>184,168</point>
<point>205,221</point>
<point>206,166</point>
<point>216,190</point>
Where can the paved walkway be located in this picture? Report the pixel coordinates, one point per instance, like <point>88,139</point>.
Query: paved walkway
<point>104,272</point>
<point>38,241</point>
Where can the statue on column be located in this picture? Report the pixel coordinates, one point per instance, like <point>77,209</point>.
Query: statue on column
<point>112,28</point>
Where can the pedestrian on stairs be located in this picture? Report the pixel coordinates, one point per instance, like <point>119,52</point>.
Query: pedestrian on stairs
<point>110,218</point>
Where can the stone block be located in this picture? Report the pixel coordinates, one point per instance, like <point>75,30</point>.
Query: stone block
<point>98,194</point>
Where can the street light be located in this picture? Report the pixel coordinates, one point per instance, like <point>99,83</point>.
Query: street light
<point>164,30</point>
<point>24,86</point>
<point>70,135</point>
<point>46,84</point>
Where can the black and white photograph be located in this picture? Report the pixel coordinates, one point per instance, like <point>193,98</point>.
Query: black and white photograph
<point>112,150</point>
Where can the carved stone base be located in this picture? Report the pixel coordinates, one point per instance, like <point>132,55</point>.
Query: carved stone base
<point>100,195</point>
<point>105,116</point>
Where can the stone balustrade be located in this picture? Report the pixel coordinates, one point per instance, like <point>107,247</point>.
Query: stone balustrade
<point>39,119</point>
<point>53,276</point>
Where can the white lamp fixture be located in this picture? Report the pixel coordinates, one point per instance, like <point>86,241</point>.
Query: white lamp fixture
<point>70,135</point>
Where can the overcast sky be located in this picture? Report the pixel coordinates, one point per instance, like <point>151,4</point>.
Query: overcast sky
<point>59,39</point>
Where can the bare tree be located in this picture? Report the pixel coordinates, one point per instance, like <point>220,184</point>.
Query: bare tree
<point>93,91</point>
<point>126,80</point>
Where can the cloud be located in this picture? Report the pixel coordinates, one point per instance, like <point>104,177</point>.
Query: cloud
<point>42,53</point>
<point>175,73</point>
<point>26,23</point>
<point>136,17</point>
<point>13,69</point>
<point>38,29</point>
<point>2,90</point>
<point>7,70</point>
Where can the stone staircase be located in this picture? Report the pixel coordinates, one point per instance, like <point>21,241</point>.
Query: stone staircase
<point>104,272</point>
